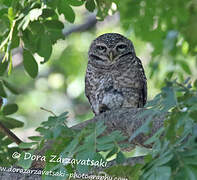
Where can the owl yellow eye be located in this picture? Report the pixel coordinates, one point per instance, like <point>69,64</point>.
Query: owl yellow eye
<point>121,47</point>
<point>101,48</point>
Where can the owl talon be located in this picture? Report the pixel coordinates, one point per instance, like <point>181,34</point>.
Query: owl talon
<point>103,108</point>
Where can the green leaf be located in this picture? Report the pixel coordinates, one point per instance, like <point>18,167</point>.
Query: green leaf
<point>105,147</point>
<point>90,5</point>
<point>24,145</point>
<point>54,24</point>
<point>185,67</point>
<point>169,98</point>
<point>54,30</point>
<point>126,172</point>
<point>3,28</point>
<point>155,136</point>
<point>193,115</point>
<point>67,11</point>
<point>10,109</point>
<point>100,128</point>
<point>191,160</point>
<point>118,136</point>
<point>15,40</point>
<point>191,153</point>
<point>105,140</point>
<point>48,13</point>
<point>112,152</point>
<point>63,115</point>
<point>30,39</point>
<point>6,142</point>
<point>37,27</point>
<point>11,14</point>
<point>30,64</point>
<point>11,87</point>
<point>2,91</point>
<point>3,10</point>
<point>35,138</point>
<point>164,159</point>
<point>84,156</point>
<point>11,123</point>
<point>195,83</point>
<point>57,130</point>
<point>44,46</point>
<point>72,145</point>
<point>3,67</point>
<point>51,122</point>
<point>75,2</point>
<point>90,139</point>
<point>142,129</point>
<point>191,172</point>
<point>45,132</point>
<point>10,64</point>
<point>120,158</point>
<point>25,161</point>
<point>163,173</point>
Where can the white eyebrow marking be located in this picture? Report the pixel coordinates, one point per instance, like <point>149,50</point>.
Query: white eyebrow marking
<point>101,44</point>
<point>121,43</point>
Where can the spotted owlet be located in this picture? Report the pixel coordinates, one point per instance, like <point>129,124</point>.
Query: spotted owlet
<point>115,77</point>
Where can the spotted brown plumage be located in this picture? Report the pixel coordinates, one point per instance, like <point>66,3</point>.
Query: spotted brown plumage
<point>115,77</point>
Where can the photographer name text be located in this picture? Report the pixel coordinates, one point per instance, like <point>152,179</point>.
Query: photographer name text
<point>64,160</point>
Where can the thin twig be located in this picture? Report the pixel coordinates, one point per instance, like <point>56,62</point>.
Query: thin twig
<point>10,134</point>
<point>48,111</point>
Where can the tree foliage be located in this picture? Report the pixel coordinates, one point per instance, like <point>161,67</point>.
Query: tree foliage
<point>175,143</point>
<point>170,29</point>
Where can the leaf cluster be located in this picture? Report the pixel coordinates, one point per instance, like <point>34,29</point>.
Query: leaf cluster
<point>173,154</point>
<point>36,26</point>
<point>9,123</point>
<point>169,27</point>
<point>81,145</point>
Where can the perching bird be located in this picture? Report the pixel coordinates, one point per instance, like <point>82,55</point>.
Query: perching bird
<point>115,77</point>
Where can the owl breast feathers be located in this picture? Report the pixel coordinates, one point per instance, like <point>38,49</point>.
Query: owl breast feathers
<point>115,77</point>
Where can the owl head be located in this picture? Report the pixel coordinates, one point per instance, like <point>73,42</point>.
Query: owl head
<point>110,48</point>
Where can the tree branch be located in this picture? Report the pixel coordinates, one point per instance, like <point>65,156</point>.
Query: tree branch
<point>88,24</point>
<point>125,119</point>
<point>9,133</point>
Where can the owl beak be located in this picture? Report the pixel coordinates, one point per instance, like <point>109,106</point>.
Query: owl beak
<point>111,56</point>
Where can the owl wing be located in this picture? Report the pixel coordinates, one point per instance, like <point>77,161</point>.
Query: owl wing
<point>90,88</point>
<point>144,92</point>
<point>133,77</point>
<point>87,88</point>
<point>143,80</point>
